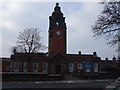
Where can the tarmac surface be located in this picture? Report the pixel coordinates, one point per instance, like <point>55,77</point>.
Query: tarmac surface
<point>84,84</point>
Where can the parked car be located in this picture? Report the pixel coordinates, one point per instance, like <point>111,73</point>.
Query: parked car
<point>113,85</point>
<point>118,80</point>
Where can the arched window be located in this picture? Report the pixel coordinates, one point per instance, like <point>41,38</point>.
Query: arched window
<point>44,67</point>
<point>79,67</point>
<point>71,67</point>
<point>35,67</point>
<point>95,67</point>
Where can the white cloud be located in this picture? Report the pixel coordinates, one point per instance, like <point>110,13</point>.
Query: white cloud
<point>79,18</point>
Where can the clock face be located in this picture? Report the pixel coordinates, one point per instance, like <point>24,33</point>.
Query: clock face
<point>58,32</point>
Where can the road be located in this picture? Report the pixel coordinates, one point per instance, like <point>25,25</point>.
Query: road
<point>56,84</point>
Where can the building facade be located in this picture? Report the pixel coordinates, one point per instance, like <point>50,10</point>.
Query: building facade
<point>56,60</point>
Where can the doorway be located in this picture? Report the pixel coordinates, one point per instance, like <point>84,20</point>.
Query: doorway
<point>58,69</point>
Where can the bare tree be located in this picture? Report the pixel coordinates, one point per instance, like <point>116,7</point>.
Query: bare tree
<point>108,23</point>
<point>29,41</point>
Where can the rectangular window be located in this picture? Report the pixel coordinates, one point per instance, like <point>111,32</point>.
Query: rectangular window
<point>95,67</point>
<point>35,67</point>
<point>79,67</point>
<point>16,66</point>
<point>87,70</point>
<point>25,67</point>
<point>44,67</point>
<point>8,68</point>
<point>71,67</point>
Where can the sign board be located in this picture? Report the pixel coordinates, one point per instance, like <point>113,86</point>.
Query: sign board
<point>88,65</point>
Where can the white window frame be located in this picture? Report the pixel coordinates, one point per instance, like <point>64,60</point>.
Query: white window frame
<point>35,70</point>
<point>44,67</point>
<point>79,67</point>
<point>16,66</point>
<point>95,67</point>
<point>71,67</point>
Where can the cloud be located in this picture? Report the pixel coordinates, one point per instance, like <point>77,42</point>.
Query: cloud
<point>79,24</point>
<point>79,18</point>
<point>25,15</point>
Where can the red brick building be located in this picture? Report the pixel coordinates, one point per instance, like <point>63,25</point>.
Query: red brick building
<point>56,61</point>
<point>5,64</point>
<point>110,65</point>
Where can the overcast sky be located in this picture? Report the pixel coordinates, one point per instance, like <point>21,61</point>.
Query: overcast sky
<point>80,16</point>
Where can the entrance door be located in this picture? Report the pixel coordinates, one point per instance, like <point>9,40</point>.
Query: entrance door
<point>58,69</point>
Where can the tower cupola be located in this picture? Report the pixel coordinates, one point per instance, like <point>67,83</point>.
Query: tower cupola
<point>57,20</point>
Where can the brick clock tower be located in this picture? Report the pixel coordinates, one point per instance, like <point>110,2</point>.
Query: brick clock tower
<point>57,32</point>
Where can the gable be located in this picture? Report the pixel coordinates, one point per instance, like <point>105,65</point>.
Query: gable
<point>58,58</point>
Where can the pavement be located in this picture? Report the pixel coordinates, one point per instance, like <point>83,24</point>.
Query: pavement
<point>56,84</point>
<point>71,81</point>
<point>63,81</point>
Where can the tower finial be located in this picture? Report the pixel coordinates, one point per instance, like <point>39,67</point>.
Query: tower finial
<point>57,4</point>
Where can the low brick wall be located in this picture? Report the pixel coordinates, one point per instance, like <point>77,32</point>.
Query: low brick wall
<point>29,77</point>
<point>111,75</point>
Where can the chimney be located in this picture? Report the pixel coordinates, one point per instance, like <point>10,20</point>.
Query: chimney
<point>79,52</point>
<point>114,58</point>
<point>106,59</point>
<point>94,54</point>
